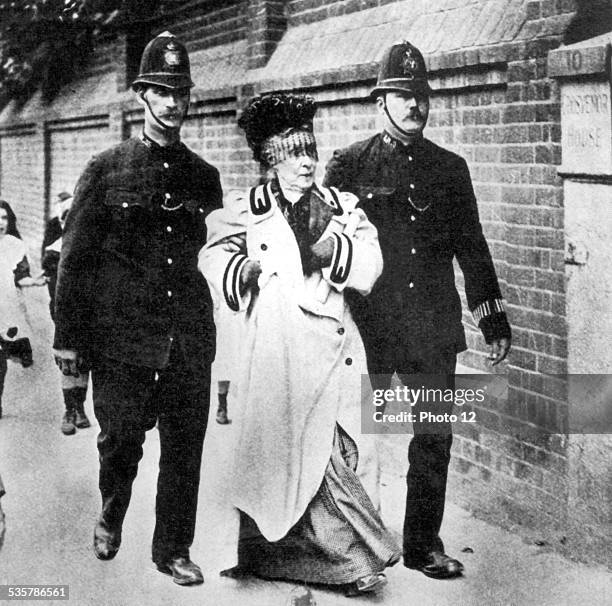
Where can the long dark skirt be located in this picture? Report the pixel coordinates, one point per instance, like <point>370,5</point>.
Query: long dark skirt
<point>339,539</point>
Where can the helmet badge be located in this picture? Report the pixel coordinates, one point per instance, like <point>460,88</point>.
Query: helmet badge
<point>172,55</point>
<point>409,64</point>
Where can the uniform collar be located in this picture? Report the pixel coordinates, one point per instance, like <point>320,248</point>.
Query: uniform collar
<point>166,151</point>
<point>397,145</point>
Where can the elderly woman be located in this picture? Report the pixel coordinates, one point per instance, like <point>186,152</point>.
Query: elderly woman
<point>283,254</point>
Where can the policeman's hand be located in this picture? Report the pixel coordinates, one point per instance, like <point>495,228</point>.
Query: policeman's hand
<point>321,253</point>
<point>498,350</point>
<point>68,361</point>
<point>249,275</point>
<point>234,244</point>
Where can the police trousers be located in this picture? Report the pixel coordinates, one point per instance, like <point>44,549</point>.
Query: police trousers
<point>430,448</point>
<point>128,401</point>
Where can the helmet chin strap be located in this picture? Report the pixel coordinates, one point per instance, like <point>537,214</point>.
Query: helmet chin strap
<point>402,134</point>
<point>394,123</point>
<point>160,122</point>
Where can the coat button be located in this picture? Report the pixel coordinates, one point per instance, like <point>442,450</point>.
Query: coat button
<point>169,261</point>
<point>411,285</point>
<point>264,247</point>
<point>410,158</point>
<point>340,331</point>
<point>167,196</point>
<point>125,205</point>
<point>413,251</point>
<point>168,228</point>
<point>370,196</point>
<point>349,361</point>
<point>166,165</point>
<point>169,293</point>
<point>412,186</point>
<point>412,218</point>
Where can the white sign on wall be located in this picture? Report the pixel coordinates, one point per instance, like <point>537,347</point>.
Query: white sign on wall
<point>586,128</point>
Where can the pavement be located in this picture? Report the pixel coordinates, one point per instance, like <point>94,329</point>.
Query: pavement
<point>52,503</point>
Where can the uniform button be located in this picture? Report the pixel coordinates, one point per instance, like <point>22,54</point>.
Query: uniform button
<point>168,228</point>
<point>166,165</point>
<point>410,158</point>
<point>370,196</point>
<point>349,361</point>
<point>340,331</point>
<point>167,196</point>
<point>412,218</point>
<point>413,251</point>
<point>169,293</point>
<point>125,205</point>
<point>411,285</point>
<point>169,261</point>
<point>264,247</point>
<point>201,210</point>
<point>412,186</point>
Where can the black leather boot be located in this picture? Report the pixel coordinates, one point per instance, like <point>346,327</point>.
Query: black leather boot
<point>81,421</point>
<point>222,418</point>
<point>106,541</point>
<point>80,393</point>
<point>69,419</point>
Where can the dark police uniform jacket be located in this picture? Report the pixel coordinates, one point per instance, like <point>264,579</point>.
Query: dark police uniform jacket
<point>422,202</point>
<point>128,283</point>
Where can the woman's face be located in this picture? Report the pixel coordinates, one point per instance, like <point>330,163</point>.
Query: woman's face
<point>4,222</point>
<point>296,172</point>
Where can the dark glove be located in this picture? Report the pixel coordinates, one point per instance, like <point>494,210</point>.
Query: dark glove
<point>249,275</point>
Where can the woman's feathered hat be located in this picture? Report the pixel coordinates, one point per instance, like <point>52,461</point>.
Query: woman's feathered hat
<point>275,114</point>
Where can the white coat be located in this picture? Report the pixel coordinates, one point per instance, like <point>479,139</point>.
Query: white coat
<point>303,360</point>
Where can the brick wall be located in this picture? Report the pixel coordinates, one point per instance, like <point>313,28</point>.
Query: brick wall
<point>268,23</point>
<point>69,148</point>
<point>21,155</point>
<point>308,11</point>
<point>207,23</point>
<point>511,138</point>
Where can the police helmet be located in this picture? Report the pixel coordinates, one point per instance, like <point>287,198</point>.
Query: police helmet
<point>402,69</point>
<point>164,62</point>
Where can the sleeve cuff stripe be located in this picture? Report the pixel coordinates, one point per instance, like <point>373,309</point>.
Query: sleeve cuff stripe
<point>231,281</point>
<point>487,308</point>
<point>342,259</point>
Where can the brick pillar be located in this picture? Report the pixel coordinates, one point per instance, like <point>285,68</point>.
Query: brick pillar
<point>267,24</point>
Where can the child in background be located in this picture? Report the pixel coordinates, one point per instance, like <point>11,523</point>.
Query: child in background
<point>73,388</point>
<point>14,275</point>
<point>228,340</point>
